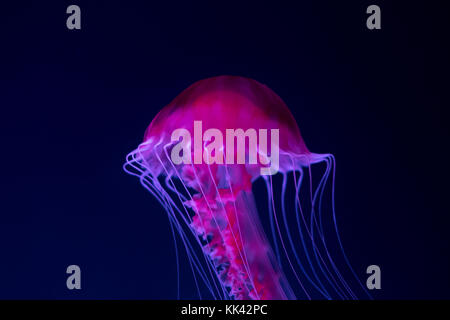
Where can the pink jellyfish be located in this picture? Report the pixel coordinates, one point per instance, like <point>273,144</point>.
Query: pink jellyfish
<point>194,160</point>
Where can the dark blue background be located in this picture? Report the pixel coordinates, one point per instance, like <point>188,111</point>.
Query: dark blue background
<point>73,103</point>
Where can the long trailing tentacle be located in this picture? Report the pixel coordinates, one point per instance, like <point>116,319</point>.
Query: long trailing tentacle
<point>298,214</point>
<point>316,230</point>
<point>319,287</point>
<point>283,245</point>
<point>347,261</point>
<point>310,229</point>
<point>314,226</point>
<point>319,260</point>
<point>186,222</point>
<point>135,165</point>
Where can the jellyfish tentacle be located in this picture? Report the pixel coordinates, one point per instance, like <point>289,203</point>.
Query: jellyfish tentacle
<point>173,185</point>
<point>272,225</point>
<point>320,189</point>
<point>168,204</point>
<point>316,247</point>
<point>171,216</point>
<point>177,259</point>
<point>291,243</point>
<point>190,251</point>
<point>284,247</point>
<point>313,195</point>
<point>317,255</point>
<point>164,199</point>
<point>200,218</point>
<point>210,267</point>
<point>333,164</point>
<point>297,217</point>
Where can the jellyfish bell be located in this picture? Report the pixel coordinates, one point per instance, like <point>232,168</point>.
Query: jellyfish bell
<point>212,202</point>
<point>225,103</point>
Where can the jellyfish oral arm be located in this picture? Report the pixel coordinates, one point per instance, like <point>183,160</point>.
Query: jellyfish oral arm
<point>213,153</point>
<point>229,224</point>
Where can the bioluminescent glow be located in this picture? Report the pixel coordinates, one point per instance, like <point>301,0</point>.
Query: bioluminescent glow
<point>211,206</point>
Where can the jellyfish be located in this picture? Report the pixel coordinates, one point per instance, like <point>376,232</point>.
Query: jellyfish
<point>202,156</point>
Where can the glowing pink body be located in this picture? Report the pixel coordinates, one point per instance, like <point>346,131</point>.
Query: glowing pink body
<point>213,204</point>
<point>227,216</point>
